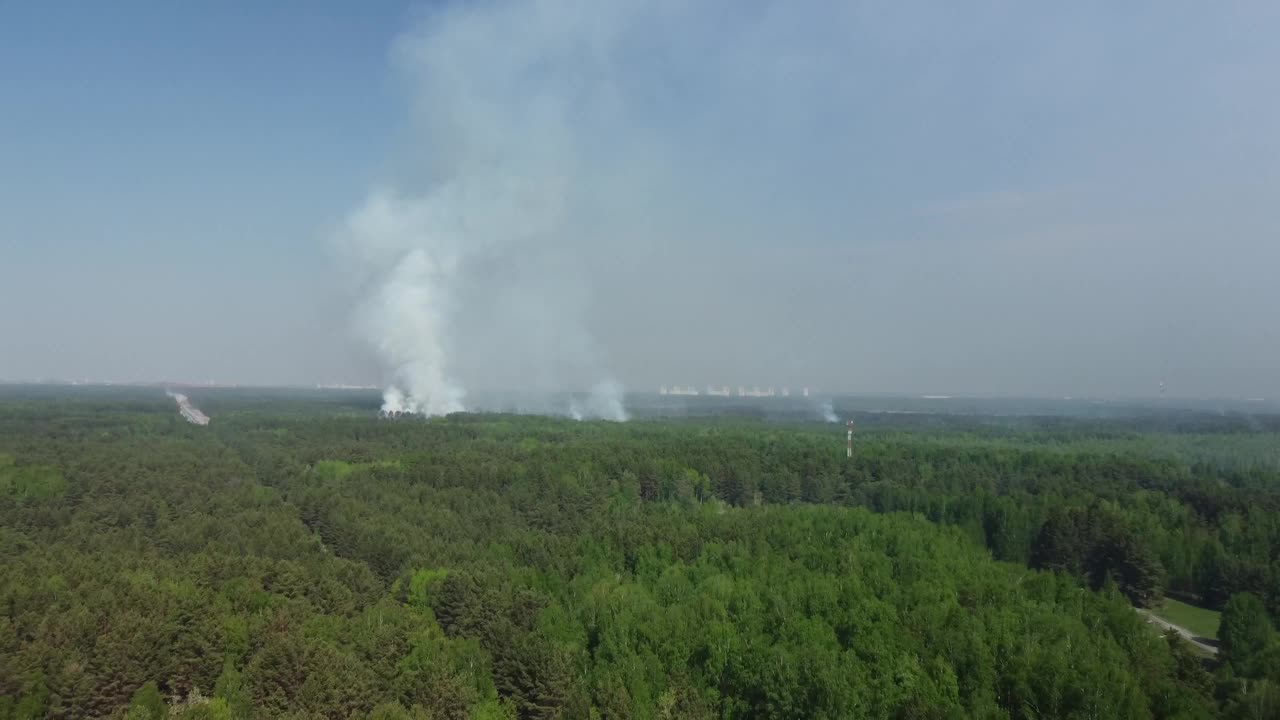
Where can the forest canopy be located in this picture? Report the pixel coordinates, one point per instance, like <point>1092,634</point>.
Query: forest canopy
<point>316,562</point>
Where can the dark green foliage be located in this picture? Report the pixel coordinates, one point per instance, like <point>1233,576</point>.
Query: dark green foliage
<point>1095,544</point>
<point>1189,668</point>
<point>312,565</point>
<point>1257,700</point>
<point>1246,632</point>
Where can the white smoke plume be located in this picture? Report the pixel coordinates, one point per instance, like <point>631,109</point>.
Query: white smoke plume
<point>605,401</point>
<point>468,266</point>
<point>828,412</point>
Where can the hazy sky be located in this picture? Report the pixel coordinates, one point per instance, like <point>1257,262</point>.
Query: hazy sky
<point>995,197</point>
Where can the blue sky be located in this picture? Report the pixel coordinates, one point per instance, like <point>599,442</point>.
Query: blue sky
<point>981,197</point>
<point>146,141</point>
<point>161,110</point>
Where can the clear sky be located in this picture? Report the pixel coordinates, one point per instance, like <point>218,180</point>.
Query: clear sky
<point>994,197</point>
<point>167,174</point>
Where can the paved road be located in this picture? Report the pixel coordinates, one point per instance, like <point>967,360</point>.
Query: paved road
<point>189,411</point>
<point>1186,634</point>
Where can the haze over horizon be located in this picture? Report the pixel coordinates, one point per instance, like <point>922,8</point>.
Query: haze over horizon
<point>907,197</point>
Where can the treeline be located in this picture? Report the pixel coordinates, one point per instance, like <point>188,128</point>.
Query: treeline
<point>499,567</point>
<point>1153,525</point>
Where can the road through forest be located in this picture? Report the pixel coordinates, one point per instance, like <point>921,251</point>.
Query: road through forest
<point>189,411</point>
<point>1186,634</point>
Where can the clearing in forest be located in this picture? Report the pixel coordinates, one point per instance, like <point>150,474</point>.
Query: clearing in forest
<point>1201,621</point>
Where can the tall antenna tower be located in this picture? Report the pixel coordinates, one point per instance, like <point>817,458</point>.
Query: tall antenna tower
<point>848,448</point>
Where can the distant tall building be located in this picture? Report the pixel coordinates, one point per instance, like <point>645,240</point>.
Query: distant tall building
<point>806,392</point>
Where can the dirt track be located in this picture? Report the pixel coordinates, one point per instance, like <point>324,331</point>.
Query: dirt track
<point>1200,642</point>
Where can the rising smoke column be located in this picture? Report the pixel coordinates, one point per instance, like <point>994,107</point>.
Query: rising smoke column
<point>828,412</point>
<point>496,91</point>
<point>403,249</point>
<point>604,402</point>
<point>410,251</point>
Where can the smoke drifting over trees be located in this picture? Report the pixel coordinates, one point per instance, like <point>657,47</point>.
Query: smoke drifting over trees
<point>717,194</point>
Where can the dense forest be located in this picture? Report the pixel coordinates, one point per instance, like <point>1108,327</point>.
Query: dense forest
<point>299,558</point>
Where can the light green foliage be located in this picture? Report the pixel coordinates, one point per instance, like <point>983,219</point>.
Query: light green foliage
<point>231,689</point>
<point>493,710</point>
<point>390,711</point>
<point>235,633</point>
<point>332,470</point>
<point>147,704</point>
<point>422,583</point>
<point>340,470</point>
<point>204,709</point>
<point>31,483</point>
<point>33,701</point>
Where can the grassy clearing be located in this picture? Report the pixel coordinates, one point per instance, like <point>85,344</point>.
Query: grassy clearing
<point>1198,620</point>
